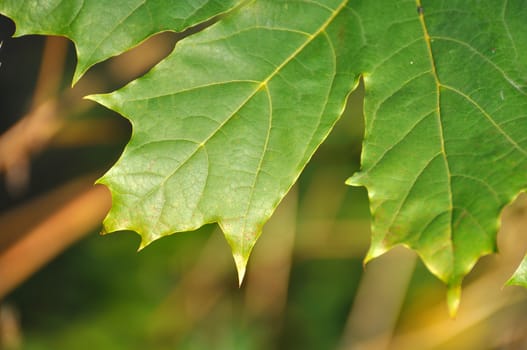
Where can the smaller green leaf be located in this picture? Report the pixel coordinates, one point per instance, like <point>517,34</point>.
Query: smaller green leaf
<point>519,278</point>
<point>103,29</point>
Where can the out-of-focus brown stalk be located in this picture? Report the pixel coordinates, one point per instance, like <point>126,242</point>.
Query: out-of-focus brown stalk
<point>268,277</point>
<point>44,241</point>
<point>35,129</point>
<point>51,70</point>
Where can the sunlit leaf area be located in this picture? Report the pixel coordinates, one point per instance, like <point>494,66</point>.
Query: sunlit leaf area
<point>65,286</point>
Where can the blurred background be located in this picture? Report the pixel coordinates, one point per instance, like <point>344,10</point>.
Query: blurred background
<point>64,286</point>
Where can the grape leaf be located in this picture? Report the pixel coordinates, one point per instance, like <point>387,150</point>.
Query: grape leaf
<point>102,29</point>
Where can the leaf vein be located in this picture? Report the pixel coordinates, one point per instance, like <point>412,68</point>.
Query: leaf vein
<point>401,139</point>
<point>410,189</point>
<point>392,94</point>
<point>426,37</point>
<point>488,117</point>
<point>514,84</point>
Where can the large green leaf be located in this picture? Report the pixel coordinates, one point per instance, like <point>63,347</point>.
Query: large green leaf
<point>445,147</point>
<point>224,126</point>
<point>102,29</point>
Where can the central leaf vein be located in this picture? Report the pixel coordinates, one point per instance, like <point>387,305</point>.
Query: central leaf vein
<point>438,107</point>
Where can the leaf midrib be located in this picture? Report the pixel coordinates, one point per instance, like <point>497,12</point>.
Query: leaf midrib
<point>438,84</point>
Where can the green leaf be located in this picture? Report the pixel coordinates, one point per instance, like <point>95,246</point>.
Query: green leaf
<point>224,126</point>
<point>445,147</point>
<point>519,278</point>
<point>102,29</point>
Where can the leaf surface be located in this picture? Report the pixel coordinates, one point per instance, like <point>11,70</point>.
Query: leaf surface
<point>445,147</point>
<point>224,126</point>
<point>102,29</point>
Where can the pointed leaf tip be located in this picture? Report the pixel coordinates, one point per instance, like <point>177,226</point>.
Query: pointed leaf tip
<point>101,99</point>
<point>453,299</point>
<point>374,252</point>
<point>78,74</point>
<point>143,244</point>
<point>241,267</point>
<point>241,251</point>
<point>519,278</point>
<point>354,180</point>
